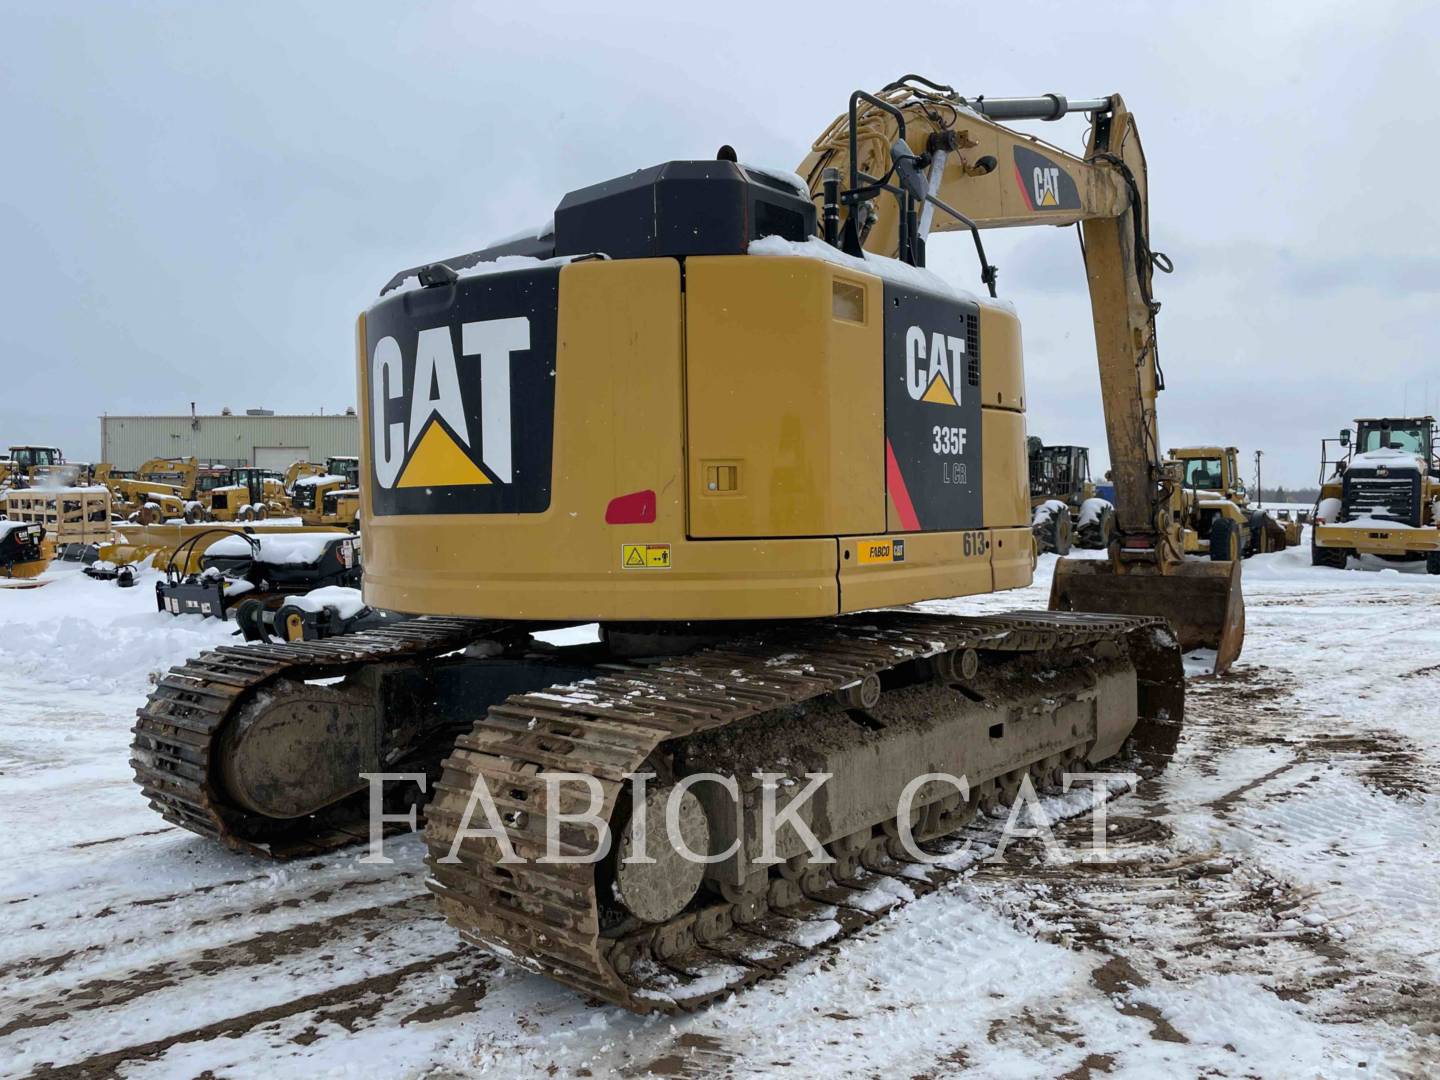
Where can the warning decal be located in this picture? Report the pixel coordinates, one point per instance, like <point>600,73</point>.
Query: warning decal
<point>645,556</point>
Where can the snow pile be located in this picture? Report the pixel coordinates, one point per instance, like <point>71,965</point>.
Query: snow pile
<point>80,634</point>
<point>1368,522</point>
<point>50,486</point>
<point>784,176</point>
<point>278,549</point>
<point>892,270</point>
<point>346,602</point>
<point>1048,509</point>
<point>1387,458</point>
<point>1092,509</point>
<point>312,481</point>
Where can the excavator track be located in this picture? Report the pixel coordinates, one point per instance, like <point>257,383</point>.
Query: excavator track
<point>179,726</point>
<point>561,920</point>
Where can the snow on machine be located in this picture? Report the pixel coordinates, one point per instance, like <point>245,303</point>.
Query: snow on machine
<point>264,568</point>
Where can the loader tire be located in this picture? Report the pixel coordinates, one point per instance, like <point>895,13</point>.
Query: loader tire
<point>1225,543</point>
<point>1432,563</point>
<point>1098,533</point>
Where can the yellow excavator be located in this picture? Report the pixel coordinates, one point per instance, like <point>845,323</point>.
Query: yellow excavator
<point>728,415</point>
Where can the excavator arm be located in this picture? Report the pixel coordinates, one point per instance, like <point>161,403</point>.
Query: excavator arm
<point>916,159</point>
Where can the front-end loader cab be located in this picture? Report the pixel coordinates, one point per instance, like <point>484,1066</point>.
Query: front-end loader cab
<point>1209,469</point>
<point>346,467</point>
<point>31,463</point>
<point>1213,507</point>
<point>1412,435</point>
<point>30,457</point>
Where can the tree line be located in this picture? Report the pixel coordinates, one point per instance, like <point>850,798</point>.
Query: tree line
<point>1289,495</point>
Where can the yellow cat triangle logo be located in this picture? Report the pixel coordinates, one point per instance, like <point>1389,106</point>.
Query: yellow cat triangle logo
<point>1049,199</point>
<point>938,392</point>
<point>439,462</point>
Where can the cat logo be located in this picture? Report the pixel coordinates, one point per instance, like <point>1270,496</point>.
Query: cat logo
<point>1043,184</point>
<point>936,379</point>
<point>1046,185</point>
<point>435,448</point>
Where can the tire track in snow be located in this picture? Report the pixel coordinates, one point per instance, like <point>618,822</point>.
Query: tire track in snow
<point>262,949</point>
<point>347,1004</point>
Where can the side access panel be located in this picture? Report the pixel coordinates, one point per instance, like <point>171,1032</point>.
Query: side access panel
<point>782,398</point>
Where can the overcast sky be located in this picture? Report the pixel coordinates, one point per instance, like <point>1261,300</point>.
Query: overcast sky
<point>198,198</point>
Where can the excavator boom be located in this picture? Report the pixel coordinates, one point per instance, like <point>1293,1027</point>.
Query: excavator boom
<point>955,166</point>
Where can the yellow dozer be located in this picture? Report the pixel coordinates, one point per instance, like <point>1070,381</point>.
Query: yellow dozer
<point>728,415</point>
<point>1214,508</point>
<point>1381,496</point>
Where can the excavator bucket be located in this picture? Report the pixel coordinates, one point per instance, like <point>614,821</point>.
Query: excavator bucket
<point>1201,599</point>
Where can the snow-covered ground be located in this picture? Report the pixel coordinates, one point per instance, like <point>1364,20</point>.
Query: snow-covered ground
<point>1269,905</point>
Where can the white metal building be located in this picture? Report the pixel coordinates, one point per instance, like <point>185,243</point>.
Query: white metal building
<point>256,437</point>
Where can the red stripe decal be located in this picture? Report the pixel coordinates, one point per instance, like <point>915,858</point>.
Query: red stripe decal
<point>1024,191</point>
<point>899,492</point>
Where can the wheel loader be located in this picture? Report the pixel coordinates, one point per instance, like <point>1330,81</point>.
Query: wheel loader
<point>1381,496</point>
<point>1214,508</point>
<point>727,415</point>
<point>1065,509</point>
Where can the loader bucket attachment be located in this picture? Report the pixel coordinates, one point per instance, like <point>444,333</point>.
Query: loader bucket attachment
<point>1201,599</point>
